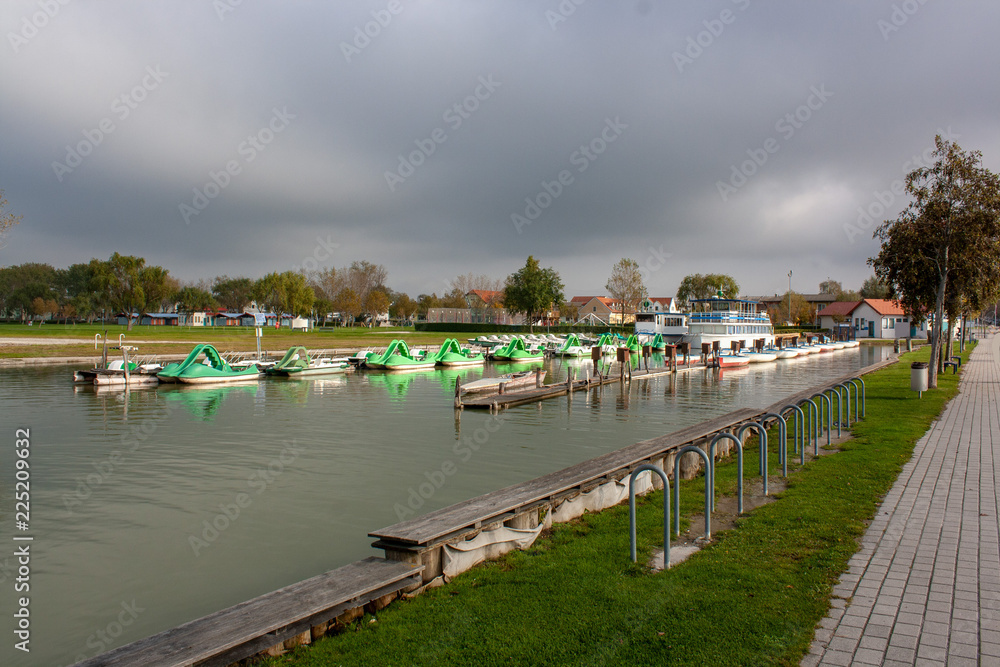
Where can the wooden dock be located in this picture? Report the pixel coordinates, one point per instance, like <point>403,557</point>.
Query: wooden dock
<point>290,614</point>
<point>535,394</point>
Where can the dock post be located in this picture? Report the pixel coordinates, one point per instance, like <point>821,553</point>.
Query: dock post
<point>569,381</point>
<point>500,388</point>
<point>538,379</point>
<point>458,393</point>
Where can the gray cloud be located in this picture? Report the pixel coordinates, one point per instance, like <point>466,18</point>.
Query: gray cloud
<point>686,116</point>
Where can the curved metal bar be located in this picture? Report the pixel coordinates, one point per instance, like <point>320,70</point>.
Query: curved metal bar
<point>847,403</point>
<point>799,427</point>
<point>739,467</point>
<point>666,510</point>
<point>783,442</point>
<point>813,426</point>
<point>860,411</point>
<point>829,413</point>
<point>762,446</point>
<point>709,491</point>
<point>835,391</point>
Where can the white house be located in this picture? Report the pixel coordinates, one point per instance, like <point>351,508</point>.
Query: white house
<point>882,318</point>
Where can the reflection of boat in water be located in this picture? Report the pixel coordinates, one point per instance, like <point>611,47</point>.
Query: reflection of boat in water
<point>204,402</point>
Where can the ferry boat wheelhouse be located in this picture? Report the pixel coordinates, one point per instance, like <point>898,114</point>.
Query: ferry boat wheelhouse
<point>727,320</point>
<point>650,320</point>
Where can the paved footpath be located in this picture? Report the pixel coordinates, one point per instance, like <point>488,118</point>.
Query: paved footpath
<point>925,587</point>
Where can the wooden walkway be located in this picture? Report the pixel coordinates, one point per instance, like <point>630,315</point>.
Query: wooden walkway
<point>533,395</point>
<point>250,627</point>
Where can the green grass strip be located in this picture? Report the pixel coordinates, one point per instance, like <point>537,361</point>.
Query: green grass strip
<point>753,597</point>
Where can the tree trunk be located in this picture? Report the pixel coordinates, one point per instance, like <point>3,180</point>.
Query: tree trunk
<point>938,317</point>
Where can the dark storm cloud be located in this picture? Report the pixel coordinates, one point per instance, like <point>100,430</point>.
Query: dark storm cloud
<point>410,134</point>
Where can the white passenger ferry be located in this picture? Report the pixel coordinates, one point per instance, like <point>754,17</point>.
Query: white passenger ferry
<point>727,320</point>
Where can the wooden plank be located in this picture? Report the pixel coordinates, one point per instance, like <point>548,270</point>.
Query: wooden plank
<point>258,623</point>
<point>434,527</point>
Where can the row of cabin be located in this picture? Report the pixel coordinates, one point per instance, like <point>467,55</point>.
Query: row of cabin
<point>209,319</point>
<point>874,318</point>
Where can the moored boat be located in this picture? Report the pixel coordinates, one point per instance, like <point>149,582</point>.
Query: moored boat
<point>728,359</point>
<point>297,363</point>
<point>204,365</point>
<point>515,351</point>
<point>572,347</point>
<point>511,381</point>
<point>453,355</point>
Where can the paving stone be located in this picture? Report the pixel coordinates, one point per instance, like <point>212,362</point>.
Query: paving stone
<point>926,582</point>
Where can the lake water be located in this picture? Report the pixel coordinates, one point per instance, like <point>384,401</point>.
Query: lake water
<point>156,506</point>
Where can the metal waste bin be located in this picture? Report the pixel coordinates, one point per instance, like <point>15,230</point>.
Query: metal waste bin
<point>918,376</point>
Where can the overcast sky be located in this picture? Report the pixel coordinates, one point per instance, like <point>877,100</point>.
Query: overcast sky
<point>441,138</point>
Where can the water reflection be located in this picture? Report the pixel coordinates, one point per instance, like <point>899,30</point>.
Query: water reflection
<point>204,402</point>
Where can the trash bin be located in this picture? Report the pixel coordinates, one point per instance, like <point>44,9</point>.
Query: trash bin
<point>918,376</point>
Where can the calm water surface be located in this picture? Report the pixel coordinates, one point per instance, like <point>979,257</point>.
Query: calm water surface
<point>134,496</point>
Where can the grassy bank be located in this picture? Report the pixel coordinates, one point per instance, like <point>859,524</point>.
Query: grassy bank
<point>46,340</point>
<point>753,597</point>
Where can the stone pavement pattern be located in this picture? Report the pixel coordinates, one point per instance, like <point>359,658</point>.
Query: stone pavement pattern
<point>925,586</point>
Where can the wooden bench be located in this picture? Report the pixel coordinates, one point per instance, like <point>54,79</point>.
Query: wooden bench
<point>419,539</point>
<point>250,627</point>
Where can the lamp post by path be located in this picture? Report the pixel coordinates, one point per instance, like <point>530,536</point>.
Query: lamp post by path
<point>789,296</point>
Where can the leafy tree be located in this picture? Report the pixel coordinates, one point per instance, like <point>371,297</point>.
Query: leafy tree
<point>20,285</point>
<point>235,294</point>
<point>322,306</point>
<point>454,299</point>
<point>427,301</point>
<point>570,311</point>
<point>625,286</point>
<point>7,219</point>
<point>121,278</point>
<point>283,293</point>
<point>403,307</point>
<point>700,286</point>
<point>801,312</point>
<point>191,299</point>
<point>532,290</point>
<point>347,302</point>
<point>950,231</point>
<point>873,288</point>
<point>376,304</point>
<point>831,287</point>
<point>44,307</point>
<point>158,287</point>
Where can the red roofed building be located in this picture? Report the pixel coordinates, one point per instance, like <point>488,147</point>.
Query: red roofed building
<point>873,318</point>
<point>836,313</point>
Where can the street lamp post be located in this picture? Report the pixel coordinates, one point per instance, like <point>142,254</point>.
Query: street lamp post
<point>789,296</point>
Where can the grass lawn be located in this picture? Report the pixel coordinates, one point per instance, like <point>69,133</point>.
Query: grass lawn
<point>179,340</point>
<point>753,597</point>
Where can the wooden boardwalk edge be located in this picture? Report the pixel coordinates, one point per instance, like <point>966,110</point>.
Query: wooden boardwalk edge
<point>250,627</point>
